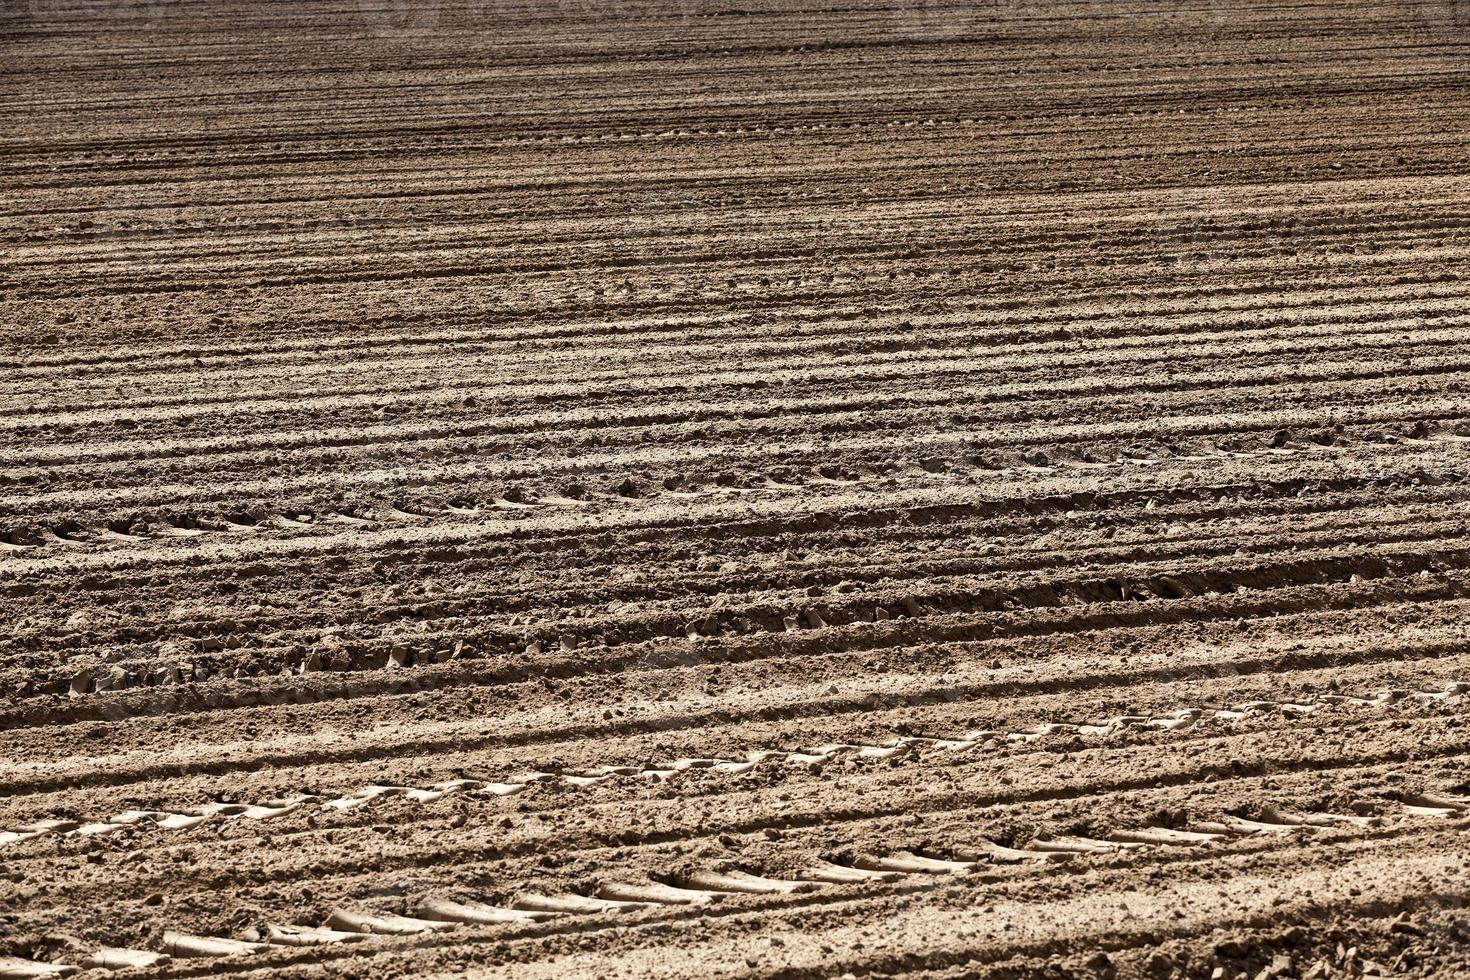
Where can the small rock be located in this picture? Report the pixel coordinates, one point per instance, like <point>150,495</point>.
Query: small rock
<point>1403,926</point>
<point>1158,965</point>
<point>1231,949</point>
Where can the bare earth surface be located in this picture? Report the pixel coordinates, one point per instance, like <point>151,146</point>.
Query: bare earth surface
<point>547,490</point>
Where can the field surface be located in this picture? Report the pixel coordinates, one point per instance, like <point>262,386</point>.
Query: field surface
<point>560,489</point>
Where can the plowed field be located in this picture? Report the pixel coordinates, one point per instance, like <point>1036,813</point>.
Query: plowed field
<point>648,490</point>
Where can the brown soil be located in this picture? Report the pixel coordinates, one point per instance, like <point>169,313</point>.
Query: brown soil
<point>996,473</point>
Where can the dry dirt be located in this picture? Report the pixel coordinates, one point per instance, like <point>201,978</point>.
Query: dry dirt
<point>994,473</point>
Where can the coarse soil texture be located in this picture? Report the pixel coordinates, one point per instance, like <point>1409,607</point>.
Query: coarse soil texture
<point>571,489</point>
